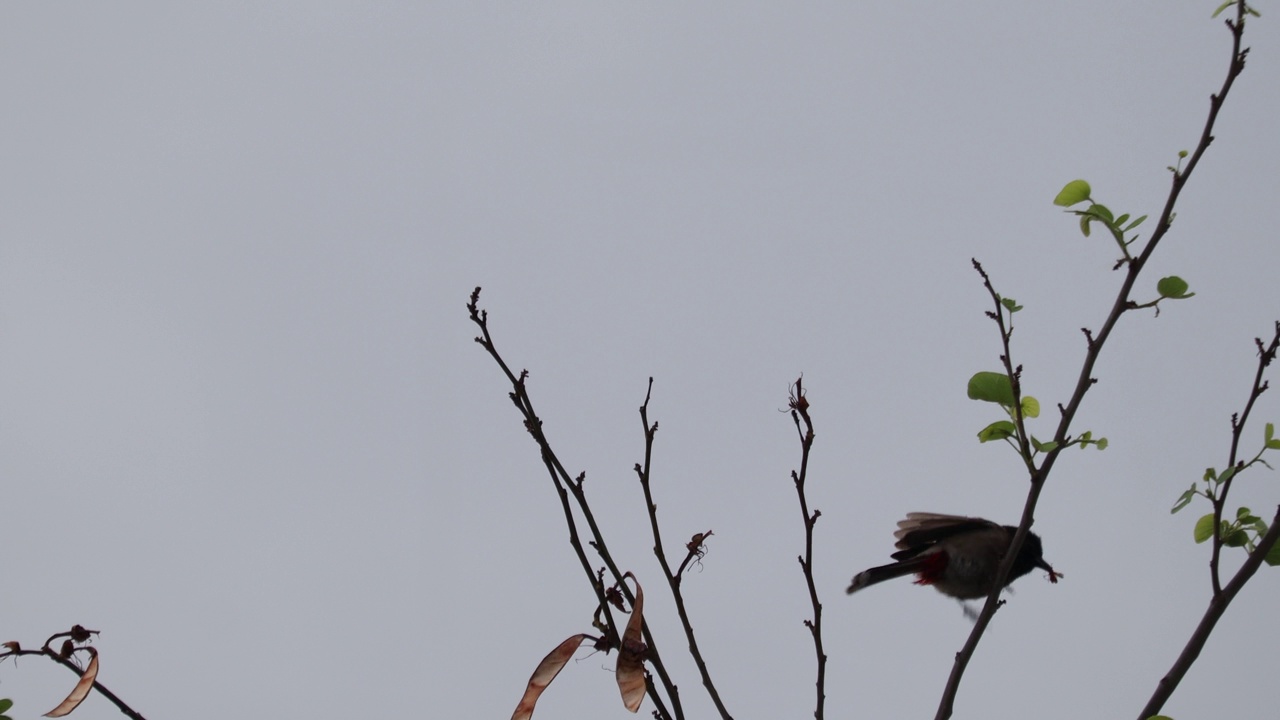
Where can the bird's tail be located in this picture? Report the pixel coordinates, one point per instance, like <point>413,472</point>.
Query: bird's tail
<point>886,572</point>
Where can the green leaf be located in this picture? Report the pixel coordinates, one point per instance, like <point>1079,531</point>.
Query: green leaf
<point>1010,304</point>
<point>1236,538</point>
<point>1073,192</point>
<point>991,387</point>
<point>1084,224</point>
<point>1204,528</point>
<point>1210,474</point>
<point>1273,555</point>
<point>1101,444</point>
<point>1135,223</point>
<point>1173,287</point>
<point>1222,7</point>
<point>1120,220</point>
<point>5,704</point>
<point>1102,212</point>
<point>998,430</point>
<point>1043,446</point>
<point>1030,407</point>
<point>1271,441</point>
<point>1184,500</point>
<point>1242,513</point>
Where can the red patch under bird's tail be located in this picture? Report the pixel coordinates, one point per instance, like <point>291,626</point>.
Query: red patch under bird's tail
<point>929,567</point>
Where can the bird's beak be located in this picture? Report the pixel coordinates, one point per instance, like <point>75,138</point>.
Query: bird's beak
<point>1053,574</point>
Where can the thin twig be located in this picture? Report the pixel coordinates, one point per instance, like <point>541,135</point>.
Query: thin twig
<point>1266,354</point>
<point>799,405</point>
<point>673,580</point>
<point>76,635</point>
<point>564,486</point>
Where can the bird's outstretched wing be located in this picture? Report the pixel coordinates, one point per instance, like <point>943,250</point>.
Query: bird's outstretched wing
<point>921,531</point>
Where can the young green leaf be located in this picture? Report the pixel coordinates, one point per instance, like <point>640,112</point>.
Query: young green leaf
<point>1010,304</point>
<point>1272,442</point>
<point>1073,192</point>
<point>1173,287</point>
<point>1204,528</point>
<point>1101,212</point>
<point>1184,500</point>
<point>1273,555</point>
<point>991,387</point>
<point>1134,224</point>
<point>1030,407</point>
<point>1222,7</point>
<point>1043,446</point>
<point>998,430</point>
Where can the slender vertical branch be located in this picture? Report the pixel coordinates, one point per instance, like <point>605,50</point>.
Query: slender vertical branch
<point>1122,304</point>
<point>799,405</point>
<point>1266,354</point>
<point>673,580</point>
<point>1222,596</point>
<point>1217,607</point>
<point>565,485</point>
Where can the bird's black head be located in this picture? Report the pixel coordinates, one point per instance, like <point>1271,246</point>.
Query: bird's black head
<point>1030,556</point>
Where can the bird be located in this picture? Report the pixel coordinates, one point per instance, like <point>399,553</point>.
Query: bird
<point>959,556</point>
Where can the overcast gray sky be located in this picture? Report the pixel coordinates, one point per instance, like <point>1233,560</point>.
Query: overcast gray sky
<point>245,432</point>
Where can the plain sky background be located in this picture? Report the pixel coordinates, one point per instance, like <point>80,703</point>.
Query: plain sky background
<point>245,432</point>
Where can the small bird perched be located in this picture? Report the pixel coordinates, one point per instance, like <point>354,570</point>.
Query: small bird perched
<point>959,556</point>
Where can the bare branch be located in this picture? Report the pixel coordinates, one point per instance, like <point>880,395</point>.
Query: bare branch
<point>799,405</point>
<point>673,580</point>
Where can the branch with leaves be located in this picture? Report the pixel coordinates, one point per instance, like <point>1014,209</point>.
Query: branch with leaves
<point>1005,388</point>
<point>1246,531</point>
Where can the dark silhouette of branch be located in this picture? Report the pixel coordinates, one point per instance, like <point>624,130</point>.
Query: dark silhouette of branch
<point>1266,354</point>
<point>1222,596</point>
<point>799,405</point>
<point>1123,303</point>
<point>75,637</point>
<point>1217,606</point>
<point>566,485</point>
<point>673,580</point>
